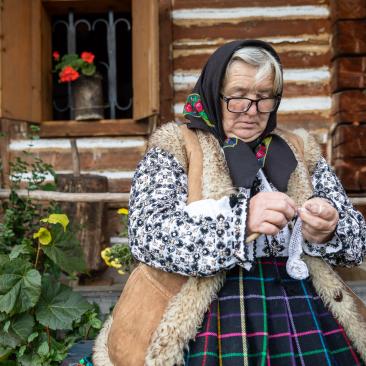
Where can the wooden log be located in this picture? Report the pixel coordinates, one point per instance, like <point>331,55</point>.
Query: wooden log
<point>88,218</point>
<point>289,59</point>
<point>359,202</point>
<point>251,29</point>
<point>121,198</point>
<point>166,62</point>
<point>349,38</point>
<point>350,101</point>
<point>352,173</point>
<point>352,117</point>
<point>349,141</point>
<point>347,9</point>
<point>348,73</point>
<point>90,160</point>
<point>121,127</point>
<point>186,4</point>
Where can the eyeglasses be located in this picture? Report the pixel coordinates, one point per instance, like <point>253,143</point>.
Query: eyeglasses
<point>240,104</point>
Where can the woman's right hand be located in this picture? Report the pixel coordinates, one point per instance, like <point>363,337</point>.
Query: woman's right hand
<point>269,212</point>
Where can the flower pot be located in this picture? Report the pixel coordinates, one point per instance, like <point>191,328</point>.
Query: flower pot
<point>87,94</point>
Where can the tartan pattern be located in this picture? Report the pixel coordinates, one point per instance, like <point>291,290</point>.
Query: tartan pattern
<point>285,323</point>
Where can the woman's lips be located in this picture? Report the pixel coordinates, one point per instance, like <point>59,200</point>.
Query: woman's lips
<point>246,124</point>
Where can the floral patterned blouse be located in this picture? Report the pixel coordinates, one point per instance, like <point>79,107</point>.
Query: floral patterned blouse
<point>207,236</point>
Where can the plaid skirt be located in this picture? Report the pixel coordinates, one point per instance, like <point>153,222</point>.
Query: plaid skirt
<point>285,323</point>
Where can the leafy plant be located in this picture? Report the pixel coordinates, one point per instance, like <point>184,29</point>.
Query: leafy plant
<point>70,64</point>
<point>40,318</point>
<point>119,256</point>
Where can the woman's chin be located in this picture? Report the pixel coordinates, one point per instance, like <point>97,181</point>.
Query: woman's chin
<point>248,136</point>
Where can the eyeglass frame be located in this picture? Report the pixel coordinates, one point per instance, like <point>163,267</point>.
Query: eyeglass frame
<point>256,101</point>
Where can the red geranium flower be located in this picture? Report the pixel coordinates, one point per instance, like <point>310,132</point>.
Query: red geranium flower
<point>188,108</point>
<point>56,55</point>
<point>67,74</point>
<point>198,106</point>
<point>87,57</point>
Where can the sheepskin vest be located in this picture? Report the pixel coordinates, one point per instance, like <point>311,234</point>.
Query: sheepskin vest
<point>156,334</point>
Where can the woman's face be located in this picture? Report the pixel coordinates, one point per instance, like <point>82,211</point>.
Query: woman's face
<point>240,82</point>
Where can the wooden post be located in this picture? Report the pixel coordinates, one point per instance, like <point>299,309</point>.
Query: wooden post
<point>90,218</point>
<point>4,151</point>
<point>75,158</point>
<point>166,62</point>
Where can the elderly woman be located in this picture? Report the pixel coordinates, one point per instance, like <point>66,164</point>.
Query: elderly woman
<point>236,222</point>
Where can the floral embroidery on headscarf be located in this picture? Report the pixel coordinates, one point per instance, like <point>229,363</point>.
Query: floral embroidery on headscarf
<point>230,142</point>
<point>194,107</point>
<point>262,149</point>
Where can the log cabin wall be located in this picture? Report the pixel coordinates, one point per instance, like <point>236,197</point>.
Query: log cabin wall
<point>348,89</point>
<point>300,31</point>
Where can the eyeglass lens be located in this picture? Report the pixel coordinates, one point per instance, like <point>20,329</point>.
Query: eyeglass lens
<point>243,105</point>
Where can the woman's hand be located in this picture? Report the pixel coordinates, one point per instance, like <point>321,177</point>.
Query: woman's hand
<point>269,212</point>
<point>319,220</point>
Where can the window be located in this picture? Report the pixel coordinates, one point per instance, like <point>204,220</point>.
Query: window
<point>27,83</point>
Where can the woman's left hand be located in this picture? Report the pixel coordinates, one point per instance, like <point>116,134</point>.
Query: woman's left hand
<point>319,220</point>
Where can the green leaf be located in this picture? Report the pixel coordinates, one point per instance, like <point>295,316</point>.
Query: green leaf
<point>32,337</point>
<point>96,323</point>
<point>20,286</point>
<point>22,350</point>
<point>48,187</point>
<point>18,250</point>
<point>59,306</point>
<point>4,353</point>
<point>88,69</point>
<point>59,350</point>
<point>9,339</point>
<point>6,326</point>
<point>30,360</point>
<point>43,349</point>
<point>22,326</point>
<point>70,57</point>
<point>8,363</point>
<point>65,251</point>
<point>3,259</point>
<point>35,128</point>
<point>19,329</point>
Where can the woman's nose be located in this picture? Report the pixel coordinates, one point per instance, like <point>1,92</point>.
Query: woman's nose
<point>253,109</point>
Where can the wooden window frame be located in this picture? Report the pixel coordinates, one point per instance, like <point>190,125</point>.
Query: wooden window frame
<point>35,101</point>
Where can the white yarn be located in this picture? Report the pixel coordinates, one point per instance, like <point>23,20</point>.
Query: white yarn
<point>295,266</point>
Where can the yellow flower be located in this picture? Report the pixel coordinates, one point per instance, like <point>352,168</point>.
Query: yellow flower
<point>57,219</point>
<point>121,272</point>
<point>123,211</point>
<point>105,255</point>
<point>115,264</point>
<point>43,235</point>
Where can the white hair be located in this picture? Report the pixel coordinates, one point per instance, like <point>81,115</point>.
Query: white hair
<point>265,62</point>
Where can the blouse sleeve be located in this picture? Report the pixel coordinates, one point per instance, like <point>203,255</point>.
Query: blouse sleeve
<point>348,245</point>
<point>198,239</point>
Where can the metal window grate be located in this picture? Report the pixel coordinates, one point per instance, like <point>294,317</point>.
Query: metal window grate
<point>108,36</point>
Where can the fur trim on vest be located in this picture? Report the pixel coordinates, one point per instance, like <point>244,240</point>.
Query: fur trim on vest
<point>186,310</point>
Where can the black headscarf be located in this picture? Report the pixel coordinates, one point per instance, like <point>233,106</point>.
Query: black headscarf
<point>203,110</point>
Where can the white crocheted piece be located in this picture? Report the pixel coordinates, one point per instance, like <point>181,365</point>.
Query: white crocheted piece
<point>295,266</point>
